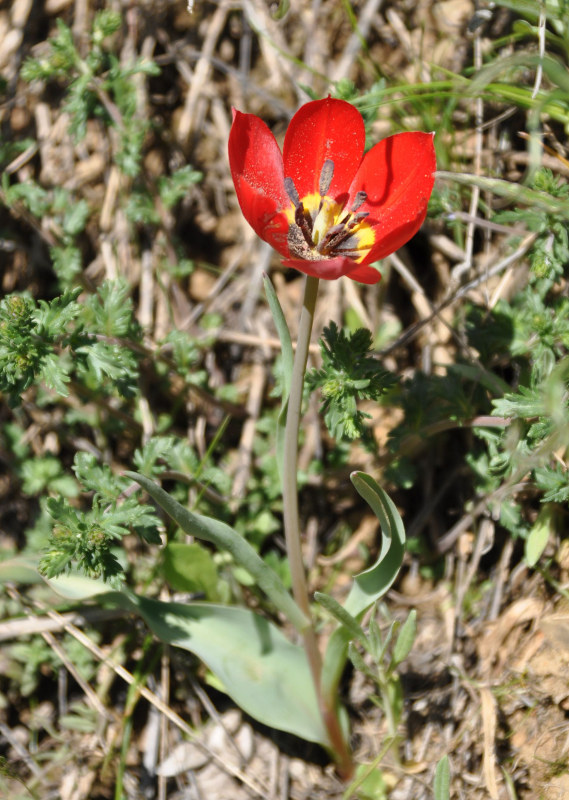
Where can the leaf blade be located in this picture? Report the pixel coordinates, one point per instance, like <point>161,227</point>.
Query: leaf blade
<point>264,673</point>
<point>226,538</point>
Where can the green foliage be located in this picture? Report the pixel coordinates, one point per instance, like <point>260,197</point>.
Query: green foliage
<point>28,660</point>
<point>69,214</point>
<point>31,337</point>
<point>349,373</point>
<point>84,540</point>
<point>384,653</point>
<point>98,85</point>
<point>441,784</point>
<point>191,568</point>
<point>54,342</point>
<point>175,187</point>
<point>550,251</point>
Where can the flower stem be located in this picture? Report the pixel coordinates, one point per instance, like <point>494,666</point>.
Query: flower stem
<point>292,524</point>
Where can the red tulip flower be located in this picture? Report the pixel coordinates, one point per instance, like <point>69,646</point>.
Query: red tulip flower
<point>327,208</point>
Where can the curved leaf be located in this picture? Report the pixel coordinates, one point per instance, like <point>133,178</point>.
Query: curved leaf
<point>372,583</point>
<point>224,537</point>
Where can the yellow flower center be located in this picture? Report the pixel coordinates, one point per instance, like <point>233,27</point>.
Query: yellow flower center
<point>320,228</point>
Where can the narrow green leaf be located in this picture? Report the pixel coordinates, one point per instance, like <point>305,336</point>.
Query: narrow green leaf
<point>393,628</point>
<point>512,191</point>
<point>441,785</point>
<point>283,332</point>
<point>225,538</point>
<point>287,356</point>
<point>364,770</point>
<point>553,68</point>
<point>405,639</point>
<point>343,618</point>
<point>357,660</point>
<point>280,12</point>
<point>375,639</point>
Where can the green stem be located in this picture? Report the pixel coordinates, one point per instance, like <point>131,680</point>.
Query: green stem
<point>292,524</point>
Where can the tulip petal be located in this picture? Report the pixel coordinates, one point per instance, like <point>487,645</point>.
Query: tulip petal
<point>321,130</point>
<point>257,169</point>
<point>329,269</point>
<point>397,177</point>
<point>365,274</point>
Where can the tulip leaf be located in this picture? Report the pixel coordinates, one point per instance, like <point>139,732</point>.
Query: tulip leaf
<point>287,361</point>
<point>21,569</point>
<point>72,586</point>
<point>225,538</point>
<point>264,673</point>
<point>78,587</point>
<point>371,584</point>
<point>287,354</point>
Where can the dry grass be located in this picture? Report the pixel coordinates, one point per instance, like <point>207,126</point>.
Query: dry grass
<point>490,689</point>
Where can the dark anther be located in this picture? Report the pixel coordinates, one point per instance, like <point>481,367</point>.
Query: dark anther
<point>326,175</point>
<point>334,238</point>
<point>357,218</point>
<point>290,189</point>
<point>330,234</point>
<point>304,222</point>
<point>359,200</point>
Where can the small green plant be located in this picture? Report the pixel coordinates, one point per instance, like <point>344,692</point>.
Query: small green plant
<point>100,85</point>
<point>349,373</point>
<point>52,343</point>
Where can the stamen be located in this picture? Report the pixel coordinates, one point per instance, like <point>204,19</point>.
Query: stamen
<point>336,237</point>
<point>359,200</point>
<point>330,234</point>
<point>290,189</point>
<point>304,222</point>
<point>326,175</point>
<point>357,218</point>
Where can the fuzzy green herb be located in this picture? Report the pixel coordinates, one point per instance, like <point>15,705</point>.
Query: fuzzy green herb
<point>349,373</point>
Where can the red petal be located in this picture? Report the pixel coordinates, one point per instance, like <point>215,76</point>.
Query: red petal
<point>329,269</point>
<point>397,176</point>
<point>364,274</point>
<point>319,130</point>
<point>257,169</point>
